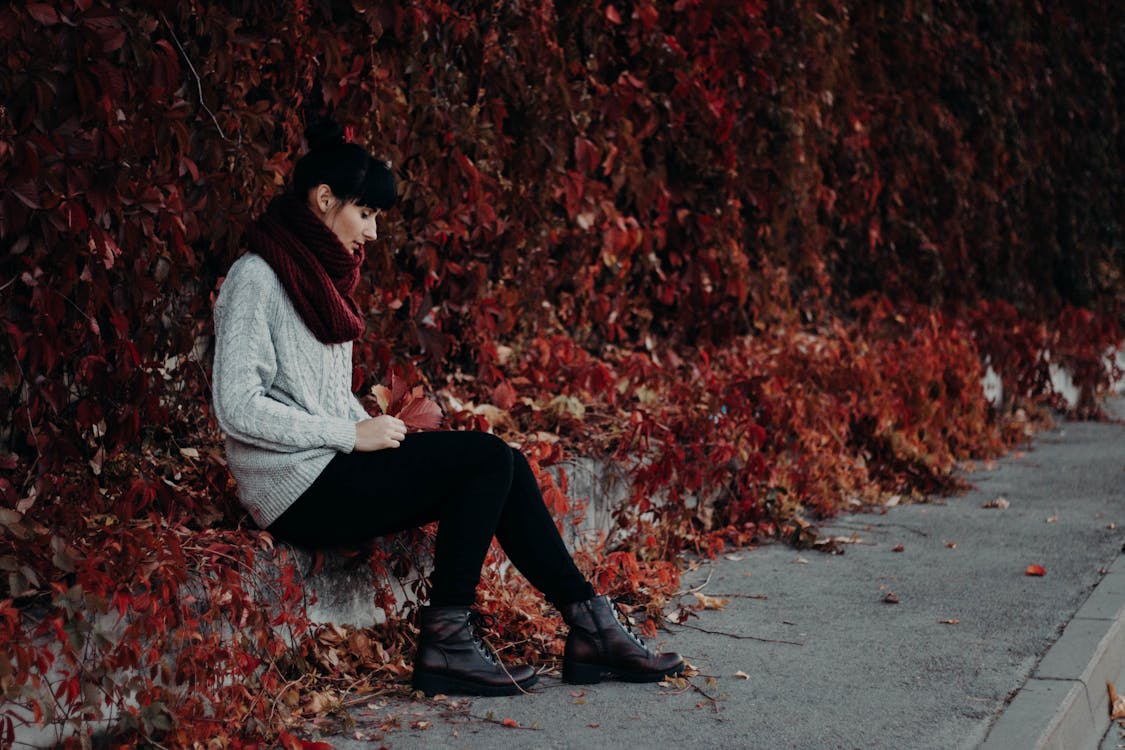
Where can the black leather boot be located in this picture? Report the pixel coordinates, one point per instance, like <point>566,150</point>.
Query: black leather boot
<point>452,659</point>
<point>600,646</point>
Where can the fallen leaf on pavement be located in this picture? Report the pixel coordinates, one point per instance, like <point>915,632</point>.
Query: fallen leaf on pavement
<point>509,722</point>
<point>898,548</point>
<point>678,616</point>
<point>710,602</point>
<point>890,598</point>
<point>951,545</point>
<point>733,558</point>
<point>801,561</point>
<point>1035,570</point>
<point>951,621</point>
<point>1053,519</point>
<point>1116,703</point>
<point>742,675</point>
<point>998,502</point>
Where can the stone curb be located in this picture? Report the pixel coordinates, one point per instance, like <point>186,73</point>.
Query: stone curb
<point>1064,705</point>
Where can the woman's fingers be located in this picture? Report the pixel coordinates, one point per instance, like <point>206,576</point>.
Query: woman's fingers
<point>379,433</point>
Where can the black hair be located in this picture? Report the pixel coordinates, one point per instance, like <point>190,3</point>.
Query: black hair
<point>347,169</point>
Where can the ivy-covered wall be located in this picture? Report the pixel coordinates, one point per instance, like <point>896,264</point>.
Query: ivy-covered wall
<point>759,251</point>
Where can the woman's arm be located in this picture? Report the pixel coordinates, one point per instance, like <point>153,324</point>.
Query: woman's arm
<point>245,367</point>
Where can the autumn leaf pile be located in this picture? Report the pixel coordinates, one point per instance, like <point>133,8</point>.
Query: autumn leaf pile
<point>757,254</point>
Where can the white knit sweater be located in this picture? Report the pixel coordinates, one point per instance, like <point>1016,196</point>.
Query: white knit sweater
<point>282,397</point>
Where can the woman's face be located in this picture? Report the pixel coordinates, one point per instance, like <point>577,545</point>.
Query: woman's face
<point>353,224</point>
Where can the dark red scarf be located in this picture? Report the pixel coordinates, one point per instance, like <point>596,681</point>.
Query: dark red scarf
<point>317,271</point>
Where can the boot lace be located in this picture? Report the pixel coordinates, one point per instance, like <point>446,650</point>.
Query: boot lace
<point>478,621</point>
<point>626,626</point>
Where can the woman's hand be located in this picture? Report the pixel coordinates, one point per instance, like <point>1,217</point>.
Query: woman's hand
<point>381,432</point>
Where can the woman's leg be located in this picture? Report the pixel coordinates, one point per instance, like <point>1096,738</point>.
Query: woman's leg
<point>530,538</point>
<point>472,483</point>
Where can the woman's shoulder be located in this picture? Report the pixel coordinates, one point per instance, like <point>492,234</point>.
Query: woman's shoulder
<point>249,283</point>
<point>251,266</point>
<point>253,272</point>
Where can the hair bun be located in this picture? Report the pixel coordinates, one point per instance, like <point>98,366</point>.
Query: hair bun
<point>324,134</point>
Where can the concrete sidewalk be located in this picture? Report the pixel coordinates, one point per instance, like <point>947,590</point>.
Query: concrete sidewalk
<point>809,653</point>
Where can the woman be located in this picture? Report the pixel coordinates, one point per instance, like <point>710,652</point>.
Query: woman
<point>315,469</point>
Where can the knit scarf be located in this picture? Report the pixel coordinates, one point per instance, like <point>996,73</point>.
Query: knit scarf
<point>317,271</point>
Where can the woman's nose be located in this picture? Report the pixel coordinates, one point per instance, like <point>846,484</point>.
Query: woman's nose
<point>371,231</point>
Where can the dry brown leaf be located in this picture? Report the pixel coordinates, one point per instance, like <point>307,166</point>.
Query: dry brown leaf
<point>677,616</point>
<point>1116,703</point>
<point>997,502</point>
<point>742,675</point>
<point>898,548</point>
<point>950,621</point>
<point>890,598</point>
<point>710,602</point>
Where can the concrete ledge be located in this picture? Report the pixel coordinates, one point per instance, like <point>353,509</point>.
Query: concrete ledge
<point>1065,703</point>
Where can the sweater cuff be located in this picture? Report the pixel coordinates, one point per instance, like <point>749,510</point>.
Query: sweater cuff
<point>341,435</point>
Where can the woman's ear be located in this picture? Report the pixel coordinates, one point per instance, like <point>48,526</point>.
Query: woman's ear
<point>321,199</point>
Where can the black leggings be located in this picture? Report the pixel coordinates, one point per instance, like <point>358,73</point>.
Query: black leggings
<point>472,483</point>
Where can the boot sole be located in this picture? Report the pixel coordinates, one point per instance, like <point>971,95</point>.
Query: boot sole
<point>578,673</point>
<point>431,684</point>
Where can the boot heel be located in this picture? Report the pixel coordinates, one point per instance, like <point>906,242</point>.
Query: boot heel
<point>432,684</point>
<point>582,674</point>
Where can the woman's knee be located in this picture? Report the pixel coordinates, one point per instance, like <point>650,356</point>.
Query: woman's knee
<point>486,451</point>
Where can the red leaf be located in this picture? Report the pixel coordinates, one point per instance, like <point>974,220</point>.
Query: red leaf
<point>290,742</point>
<point>1035,570</point>
<point>509,722</point>
<point>420,414</point>
<point>504,396</point>
<point>26,191</point>
<point>43,13</point>
<point>612,15</point>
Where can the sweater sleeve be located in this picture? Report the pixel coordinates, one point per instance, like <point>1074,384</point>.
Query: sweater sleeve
<point>244,369</point>
<point>358,409</point>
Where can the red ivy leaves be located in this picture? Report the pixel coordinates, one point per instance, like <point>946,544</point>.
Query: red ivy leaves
<point>409,405</point>
<point>637,230</point>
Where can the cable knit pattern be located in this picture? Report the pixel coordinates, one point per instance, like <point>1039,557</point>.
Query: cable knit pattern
<point>282,397</point>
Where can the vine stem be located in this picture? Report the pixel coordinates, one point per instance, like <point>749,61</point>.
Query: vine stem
<point>198,83</point>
